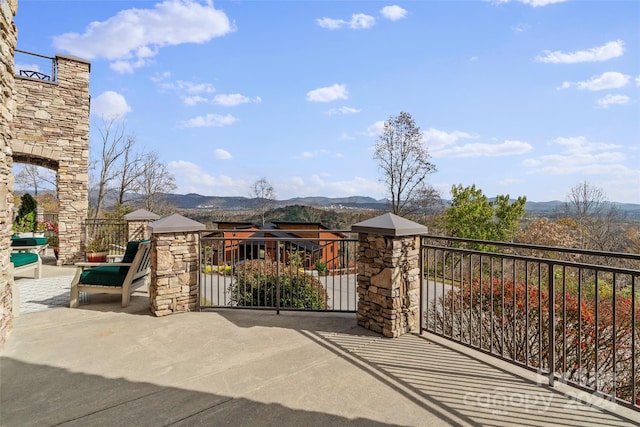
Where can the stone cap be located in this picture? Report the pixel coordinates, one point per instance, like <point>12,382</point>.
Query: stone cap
<point>141,215</point>
<point>389,225</point>
<point>175,223</point>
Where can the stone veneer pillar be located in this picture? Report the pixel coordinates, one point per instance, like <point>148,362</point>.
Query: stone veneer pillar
<point>8,33</point>
<point>51,129</point>
<point>389,274</point>
<point>175,269</point>
<point>138,224</point>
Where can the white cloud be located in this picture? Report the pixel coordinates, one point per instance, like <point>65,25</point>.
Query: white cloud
<point>609,99</point>
<point>234,99</point>
<point>375,129</point>
<point>191,87</point>
<point>342,110</point>
<point>311,154</point>
<point>133,36</point>
<point>330,23</point>
<point>608,80</point>
<point>317,185</point>
<point>532,3</point>
<point>520,28</point>
<point>26,67</point>
<point>110,105</point>
<point>209,120</point>
<point>393,13</point>
<point>579,156</point>
<point>595,54</point>
<point>194,100</point>
<point>359,21</point>
<point>191,178</point>
<point>506,148</point>
<point>328,94</point>
<point>579,144</point>
<point>437,139</point>
<point>638,81</point>
<point>222,154</point>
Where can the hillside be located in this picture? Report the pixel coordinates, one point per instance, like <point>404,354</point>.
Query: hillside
<point>198,201</point>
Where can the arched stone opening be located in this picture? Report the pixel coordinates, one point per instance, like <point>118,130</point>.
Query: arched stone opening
<point>51,129</point>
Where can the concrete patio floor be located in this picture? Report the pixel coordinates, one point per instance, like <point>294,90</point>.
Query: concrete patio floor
<point>104,365</point>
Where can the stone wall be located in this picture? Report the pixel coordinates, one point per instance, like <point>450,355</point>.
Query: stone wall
<point>174,272</point>
<point>8,32</point>
<point>138,230</point>
<point>388,283</point>
<point>52,130</point>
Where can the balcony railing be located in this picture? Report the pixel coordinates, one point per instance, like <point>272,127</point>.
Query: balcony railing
<point>279,273</point>
<point>111,234</point>
<point>572,316</point>
<point>35,66</point>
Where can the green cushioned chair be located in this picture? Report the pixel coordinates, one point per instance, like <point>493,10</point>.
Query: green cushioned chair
<point>28,241</point>
<point>114,277</point>
<point>25,261</point>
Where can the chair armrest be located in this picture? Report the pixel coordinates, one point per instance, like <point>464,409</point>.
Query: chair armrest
<point>115,258</point>
<point>98,264</point>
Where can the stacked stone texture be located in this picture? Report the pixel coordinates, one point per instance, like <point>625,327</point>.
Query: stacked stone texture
<point>138,230</point>
<point>388,283</point>
<point>174,273</point>
<point>8,32</point>
<point>52,130</point>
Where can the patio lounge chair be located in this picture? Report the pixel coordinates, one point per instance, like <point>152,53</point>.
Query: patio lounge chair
<point>29,244</point>
<point>113,277</point>
<point>24,261</point>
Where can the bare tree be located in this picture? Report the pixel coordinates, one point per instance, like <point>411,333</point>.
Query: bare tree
<point>33,177</point>
<point>598,221</point>
<point>154,181</point>
<point>404,162</point>
<point>111,150</point>
<point>264,192</point>
<point>131,168</point>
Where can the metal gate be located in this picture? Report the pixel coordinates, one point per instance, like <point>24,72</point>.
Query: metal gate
<point>278,270</point>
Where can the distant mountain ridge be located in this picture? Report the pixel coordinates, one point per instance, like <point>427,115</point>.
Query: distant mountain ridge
<point>198,201</point>
<point>236,203</point>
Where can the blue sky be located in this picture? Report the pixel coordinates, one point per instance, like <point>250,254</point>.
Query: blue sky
<point>526,98</point>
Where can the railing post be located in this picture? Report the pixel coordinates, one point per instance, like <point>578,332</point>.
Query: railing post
<point>551,360</point>
<point>278,277</point>
<point>389,277</point>
<point>138,224</point>
<point>175,265</point>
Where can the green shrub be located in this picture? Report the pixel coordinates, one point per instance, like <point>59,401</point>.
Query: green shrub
<point>321,266</point>
<point>255,283</point>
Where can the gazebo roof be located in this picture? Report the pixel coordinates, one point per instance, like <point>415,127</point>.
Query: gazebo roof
<point>176,223</point>
<point>141,215</point>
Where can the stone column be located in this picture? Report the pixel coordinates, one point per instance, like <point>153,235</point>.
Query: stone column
<point>73,165</point>
<point>175,265</point>
<point>138,224</point>
<point>8,38</point>
<point>389,274</point>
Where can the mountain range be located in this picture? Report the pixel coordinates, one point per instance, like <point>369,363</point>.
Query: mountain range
<point>230,203</point>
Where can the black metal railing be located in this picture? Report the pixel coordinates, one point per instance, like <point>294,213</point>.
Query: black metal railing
<point>279,273</point>
<point>35,66</point>
<point>571,315</point>
<point>106,235</point>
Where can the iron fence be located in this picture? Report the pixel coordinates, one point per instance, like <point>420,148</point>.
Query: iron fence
<point>108,235</point>
<point>545,309</point>
<point>315,273</point>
